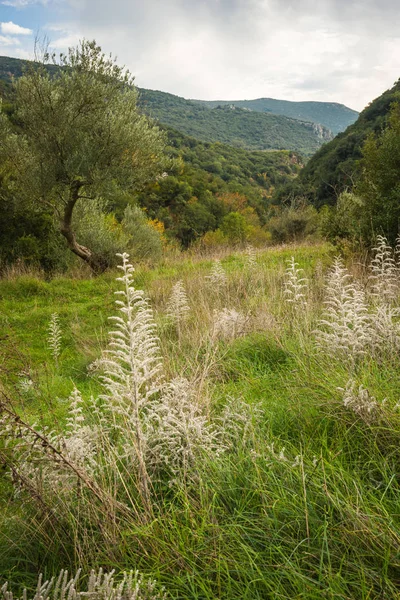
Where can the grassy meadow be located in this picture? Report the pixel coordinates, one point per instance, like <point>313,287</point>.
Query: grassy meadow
<point>281,480</point>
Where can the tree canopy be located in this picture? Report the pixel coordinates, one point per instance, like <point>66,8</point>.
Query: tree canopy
<point>379,185</point>
<point>81,137</point>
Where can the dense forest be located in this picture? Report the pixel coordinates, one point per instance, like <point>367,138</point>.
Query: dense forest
<point>208,180</point>
<point>353,180</point>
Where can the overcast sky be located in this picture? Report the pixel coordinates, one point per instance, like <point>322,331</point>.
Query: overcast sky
<point>343,51</point>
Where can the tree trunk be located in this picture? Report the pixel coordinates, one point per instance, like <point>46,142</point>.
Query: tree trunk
<point>95,262</point>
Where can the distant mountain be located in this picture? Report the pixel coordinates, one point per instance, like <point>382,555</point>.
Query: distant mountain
<point>204,178</point>
<point>13,68</point>
<point>335,166</point>
<point>238,127</point>
<point>333,116</point>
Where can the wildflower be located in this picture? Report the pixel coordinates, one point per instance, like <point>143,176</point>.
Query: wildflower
<point>251,257</point>
<point>384,277</point>
<point>359,401</point>
<point>346,325</point>
<point>54,337</point>
<point>295,285</point>
<point>229,323</point>
<point>100,586</point>
<point>217,276</point>
<point>178,306</point>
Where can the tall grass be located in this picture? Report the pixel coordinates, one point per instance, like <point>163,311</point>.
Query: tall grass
<point>251,452</point>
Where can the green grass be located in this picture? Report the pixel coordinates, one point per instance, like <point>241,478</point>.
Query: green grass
<point>306,506</point>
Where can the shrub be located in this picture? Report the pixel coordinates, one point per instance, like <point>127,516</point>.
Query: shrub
<point>344,221</point>
<point>212,240</point>
<point>100,232</point>
<point>27,248</point>
<point>145,241</point>
<point>294,223</point>
<point>235,228</point>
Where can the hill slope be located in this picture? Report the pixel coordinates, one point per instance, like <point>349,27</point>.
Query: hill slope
<point>232,125</point>
<point>236,126</point>
<point>211,180</point>
<point>206,182</point>
<point>332,115</point>
<point>335,166</point>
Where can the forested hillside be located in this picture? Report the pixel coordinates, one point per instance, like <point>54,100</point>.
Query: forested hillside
<point>332,115</point>
<point>240,128</point>
<point>210,181</point>
<point>335,167</point>
<point>232,125</point>
<point>204,185</point>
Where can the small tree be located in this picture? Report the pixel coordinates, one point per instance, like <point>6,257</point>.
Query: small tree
<point>235,227</point>
<point>82,136</point>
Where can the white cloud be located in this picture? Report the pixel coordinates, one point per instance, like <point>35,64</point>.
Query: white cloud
<point>23,3</point>
<point>11,28</point>
<point>66,41</point>
<point>344,51</point>
<point>334,50</point>
<point>6,40</point>
<point>24,54</point>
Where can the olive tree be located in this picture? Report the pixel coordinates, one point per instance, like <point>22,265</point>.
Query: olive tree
<point>83,136</point>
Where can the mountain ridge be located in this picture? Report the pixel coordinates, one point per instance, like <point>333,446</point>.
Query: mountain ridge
<point>236,126</point>
<point>333,115</point>
<point>250,130</point>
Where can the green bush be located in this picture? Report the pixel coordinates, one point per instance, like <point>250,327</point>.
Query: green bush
<point>235,227</point>
<point>100,232</point>
<point>294,223</point>
<point>344,221</point>
<point>27,248</point>
<point>144,242</point>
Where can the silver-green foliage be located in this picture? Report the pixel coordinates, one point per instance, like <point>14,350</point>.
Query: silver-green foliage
<point>295,285</point>
<point>251,257</point>
<point>384,272</point>
<point>54,336</point>
<point>229,324</point>
<point>160,423</point>
<point>359,400</point>
<point>152,428</point>
<point>100,586</point>
<point>352,327</point>
<point>217,276</point>
<point>345,329</point>
<point>98,230</point>
<point>82,136</point>
<point>178,306</point>
<point>144,242</point>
